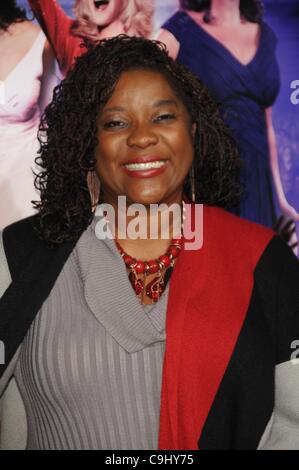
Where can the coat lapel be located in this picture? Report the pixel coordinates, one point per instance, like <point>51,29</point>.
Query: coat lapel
<point>208,300</point>
<point>39,268</point>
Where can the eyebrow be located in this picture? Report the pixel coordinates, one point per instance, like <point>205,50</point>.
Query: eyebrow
<point>114,108</point>
<point>157,104</point>
<point>160,103</point>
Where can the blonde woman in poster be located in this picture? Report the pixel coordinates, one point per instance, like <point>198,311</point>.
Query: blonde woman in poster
<point>94,20</point>
<point>27,67</point>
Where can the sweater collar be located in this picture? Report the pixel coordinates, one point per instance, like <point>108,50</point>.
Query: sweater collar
<point>110,296</point>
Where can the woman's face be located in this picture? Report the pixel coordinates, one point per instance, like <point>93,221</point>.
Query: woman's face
<point>145,145</point>
<point>101,13</point>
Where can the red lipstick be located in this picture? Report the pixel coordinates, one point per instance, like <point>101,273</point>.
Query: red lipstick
<point>145,172</point>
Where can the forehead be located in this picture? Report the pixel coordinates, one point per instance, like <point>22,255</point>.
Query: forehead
<point>144,86</point>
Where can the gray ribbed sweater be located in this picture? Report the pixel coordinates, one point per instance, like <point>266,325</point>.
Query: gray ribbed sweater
<point>90,367</point>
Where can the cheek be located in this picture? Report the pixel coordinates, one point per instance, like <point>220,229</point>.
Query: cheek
<point>107,146</point>
<point>108,155</point>
<point>84,7</point>
<point>185,160</point>
<point>104,169</point>
<point>116,9</point>
<point>117,6</point>
<point>185,148</point>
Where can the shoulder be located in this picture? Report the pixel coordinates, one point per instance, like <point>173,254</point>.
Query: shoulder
<point>249,238</point>
<point>32,27</point>
<point>176,22</point>
<point>23,247</point>
<point>253,246</point>
<point>234,238</point>
<point>17,243</point>
<point>21,230</point>
<point>20,240</point>
<point>268,34</point>
<point>227,224</point>
<point>170,41</point>
<point>26,33</point>
<point>279,265</point>
<point>28,28</point>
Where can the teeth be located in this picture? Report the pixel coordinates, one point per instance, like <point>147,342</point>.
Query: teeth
<point>100,3</point>
<point>144,166</point>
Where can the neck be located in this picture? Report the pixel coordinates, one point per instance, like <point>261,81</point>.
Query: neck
<point>8,31</point>
<point>226,12</point>
<point>153,245</point>
<point>155,229</point>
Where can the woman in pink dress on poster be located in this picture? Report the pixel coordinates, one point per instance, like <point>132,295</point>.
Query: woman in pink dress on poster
<point>95,20</point>
<point>27,77</point>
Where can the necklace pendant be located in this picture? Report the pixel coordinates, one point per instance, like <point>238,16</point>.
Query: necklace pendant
<point>155,288</point>
<point>136,283</point>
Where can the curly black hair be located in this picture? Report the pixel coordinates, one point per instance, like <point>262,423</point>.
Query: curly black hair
<point>10,13</point>
<point>252,10</point>
<point>68,134</point>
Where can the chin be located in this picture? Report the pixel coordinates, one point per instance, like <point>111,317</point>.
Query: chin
<point>104,21</point>
<point>146,200</point>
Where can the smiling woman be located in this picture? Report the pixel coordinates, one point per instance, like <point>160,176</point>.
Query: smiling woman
<point>163,103</point>
<point>198,353</point>
<point>145,144</point>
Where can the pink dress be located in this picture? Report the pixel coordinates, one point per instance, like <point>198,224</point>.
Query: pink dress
<point>19,121</point>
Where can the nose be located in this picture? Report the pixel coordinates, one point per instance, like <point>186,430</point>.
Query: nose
<point>142,136</point>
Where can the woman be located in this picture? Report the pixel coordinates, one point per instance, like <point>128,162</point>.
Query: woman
<point>89,352</point>
<point>94,21</point>
<point>235,57</point>
<point>27,76</point>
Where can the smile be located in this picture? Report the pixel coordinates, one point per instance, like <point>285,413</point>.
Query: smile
<point>145,166</point>
<point>145,169</point>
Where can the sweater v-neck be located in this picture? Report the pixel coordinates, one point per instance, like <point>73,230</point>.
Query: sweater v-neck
<point>111,298</point>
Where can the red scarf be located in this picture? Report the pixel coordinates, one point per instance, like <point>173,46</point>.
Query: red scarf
<point>209,295</point>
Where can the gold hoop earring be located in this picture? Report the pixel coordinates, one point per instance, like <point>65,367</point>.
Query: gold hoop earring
<point>94,187</point>
<point>192,183</point>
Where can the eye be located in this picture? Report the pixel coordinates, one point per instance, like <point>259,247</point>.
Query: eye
<point>165,117</point>
<point>114,124</point>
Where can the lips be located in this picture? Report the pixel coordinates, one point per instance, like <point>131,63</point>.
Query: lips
<point>144,159</point>
<point>145,167</point>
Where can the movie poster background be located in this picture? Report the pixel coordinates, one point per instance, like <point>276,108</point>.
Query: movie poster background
<point>283,17</point>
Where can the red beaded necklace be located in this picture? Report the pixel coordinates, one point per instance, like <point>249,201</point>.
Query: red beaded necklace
<point>136,267</point>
